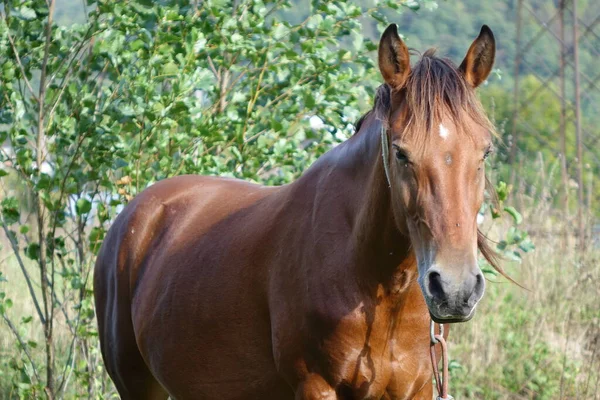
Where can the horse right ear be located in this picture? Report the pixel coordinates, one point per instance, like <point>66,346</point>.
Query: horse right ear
<point>394,60</point>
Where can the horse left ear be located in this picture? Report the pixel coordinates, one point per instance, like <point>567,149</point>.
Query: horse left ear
<point>394,59</point>
<point>479,60</point>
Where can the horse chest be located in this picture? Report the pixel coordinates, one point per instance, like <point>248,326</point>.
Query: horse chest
<point>378,351</point>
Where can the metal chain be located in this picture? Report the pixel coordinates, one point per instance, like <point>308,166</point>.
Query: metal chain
<point>441,381</point>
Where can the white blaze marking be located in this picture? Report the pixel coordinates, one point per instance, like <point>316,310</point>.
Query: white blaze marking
<point>443,132</point>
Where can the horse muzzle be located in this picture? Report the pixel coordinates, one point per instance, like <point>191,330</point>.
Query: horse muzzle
<point>452,297</point>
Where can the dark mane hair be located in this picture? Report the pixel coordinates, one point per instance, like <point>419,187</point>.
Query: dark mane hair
<point>435,87</point>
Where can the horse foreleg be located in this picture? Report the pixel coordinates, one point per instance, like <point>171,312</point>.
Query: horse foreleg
<point>426,392</point>
<point>314,387</point>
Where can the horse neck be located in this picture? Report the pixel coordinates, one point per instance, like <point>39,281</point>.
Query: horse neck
<point>356,168</point>
<point>381,248</point>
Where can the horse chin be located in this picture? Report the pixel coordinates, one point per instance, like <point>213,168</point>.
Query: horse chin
<point>451,320</point>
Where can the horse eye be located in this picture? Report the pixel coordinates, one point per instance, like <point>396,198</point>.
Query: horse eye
<point>401,156</point>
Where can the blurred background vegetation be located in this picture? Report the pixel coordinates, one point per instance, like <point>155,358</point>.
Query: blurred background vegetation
<point>112,96</point>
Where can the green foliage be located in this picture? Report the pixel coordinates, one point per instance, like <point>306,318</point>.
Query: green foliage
<point>10,210</point>
<point>515,242</point>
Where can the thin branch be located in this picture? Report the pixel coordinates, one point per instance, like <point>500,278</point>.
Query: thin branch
<point>255,97</point>
<point>20,64</point>
<point>41,211</point>
<point>78,319</point>
<point>15,248</point>
<point>275,7</point>
<point>63,85</point>
<point>67,374</point>
<point>212,68</point>
<point>80,45</point>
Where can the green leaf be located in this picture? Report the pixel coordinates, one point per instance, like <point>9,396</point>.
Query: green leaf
<point>514,213</point>
<point>412,4</point>
<point>527,245</point>
<point>33,251</point>
<point>502,191</point>
<point>25,13</point>
<point>96,237</point>
<point>170,68</point>
<point>10,210</point>
<point>44,182</point>
<point>489,271</point>
<point>280,31</point>
<point>76,283</point>
<point>142,7</point>
<point>199,44</point>
<point>119,163</point>
<point>83,206</point>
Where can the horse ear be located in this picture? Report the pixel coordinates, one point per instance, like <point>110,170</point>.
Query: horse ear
<point>394,60</point>
<point>479,60</point>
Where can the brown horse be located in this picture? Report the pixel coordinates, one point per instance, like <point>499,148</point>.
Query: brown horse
<point>212,288</point>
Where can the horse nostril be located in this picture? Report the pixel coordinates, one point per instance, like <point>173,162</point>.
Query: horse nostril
<point>472,295</point>
<point>435,287</point>
<point>479,285</point>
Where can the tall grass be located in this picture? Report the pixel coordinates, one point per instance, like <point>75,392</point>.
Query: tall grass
<point>538,344</point>
<point>14,368</point>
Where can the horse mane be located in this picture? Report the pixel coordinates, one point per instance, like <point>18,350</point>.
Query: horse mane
<point>435,87</point>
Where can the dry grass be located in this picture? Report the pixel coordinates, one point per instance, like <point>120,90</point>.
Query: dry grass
<point>537,344</point>
<point>11,359</point>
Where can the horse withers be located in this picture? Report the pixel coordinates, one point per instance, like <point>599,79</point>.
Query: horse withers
<point>213,288</point>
